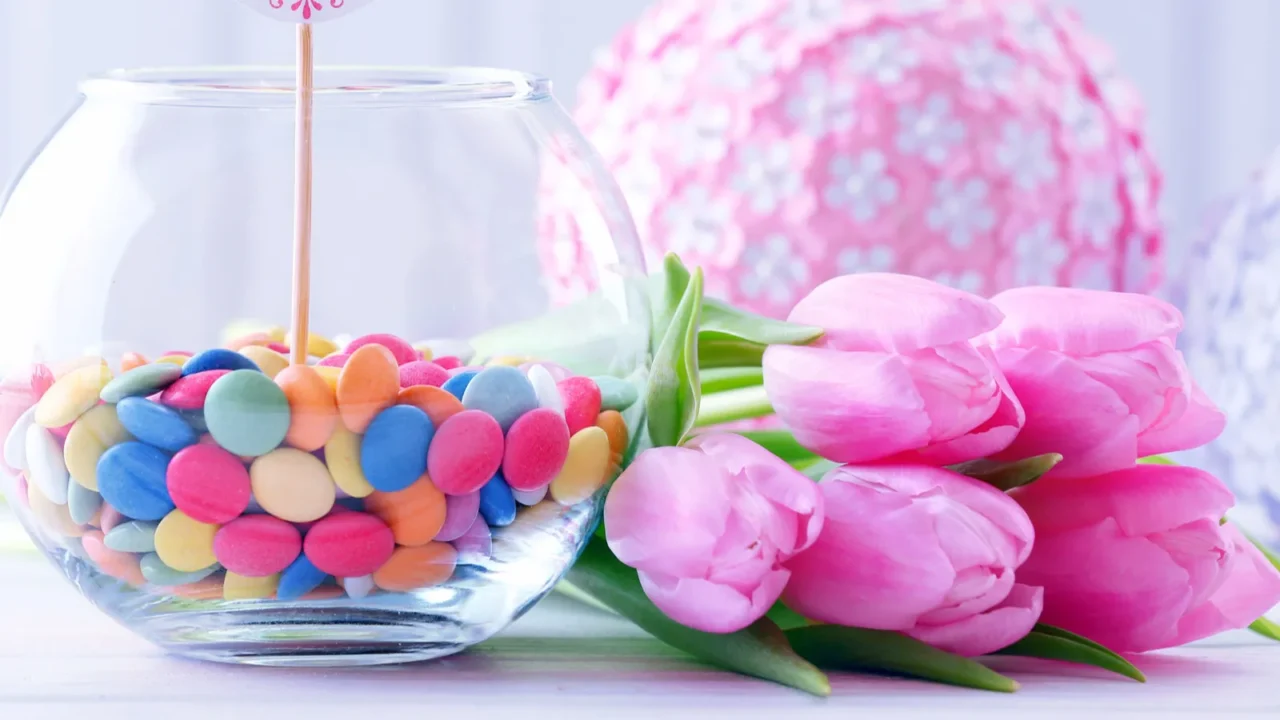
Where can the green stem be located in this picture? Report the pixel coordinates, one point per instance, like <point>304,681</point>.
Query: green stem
<point>741,404</point>
<point>723,379</point>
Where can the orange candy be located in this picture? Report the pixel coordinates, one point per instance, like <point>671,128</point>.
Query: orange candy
<point>411,568</point>
<point>611,422</point>
<point>330,375</point>
<point>324,592</point>
<point>209,588</point>
<point>313,412</point>
<point>369,382</point>
<point>131,360</point>
<point>439,405</point>
<point>415,514</point>
<point>119,565</point>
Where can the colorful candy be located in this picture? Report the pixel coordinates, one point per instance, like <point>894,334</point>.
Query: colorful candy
<point>157,573</point>
<point>45,467</point>
<point>140,381</point>
<point>218,359</point>
<point>247,413</point>
<point>497,505</point>
<point>242,587</point>
<point>536,447</point>
<point>438,404</point>
<point>191,391</point>
<point>82,503</point>
<point>616,428</point>
<point>131,360</point>
<point>411,568</point>
<point>585,469</point>
<point>292,485</point>
<point>581,402</point>
<point>313,407</point>
<point>134,536</point>
<point>393,453</point>
<point>460,513</point>
<point>155,424</point>
<point>208,483</point>
<point>300,578</point>
<point>415,514</point>
<point>358,587</point>
<point>317,345</point>
<point>53,517</point>
<point>402,351</point>
<point>544,387</point>
<point>269,361</point>
<point>336,360</point>
<point>476,544</point>
<point>119,565</point>
<point>465,453</point>
<point>89,437</point>
<point>616,393</point>
<point>349,544</point>
<point>185,544</point>
<point>342,457</point>
<point>422,372</point>
<point>257,545</point>
<point>131,478</point>
<point>501,391</point>
<point>71,395</point>
<point>530,498</point>
<point>369,383</point>
<point>457,384</point>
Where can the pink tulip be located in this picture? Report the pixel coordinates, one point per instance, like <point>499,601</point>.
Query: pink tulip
<point>1138,560</point>
<point>921,550</point>
<point>894,375</point>
<point>708,527</point>
<point>1098,377</point>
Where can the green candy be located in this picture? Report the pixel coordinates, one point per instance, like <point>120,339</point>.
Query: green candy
<point>133,537</point>
<point>616,394</point>
<point>82,503</point>
<point>141,381</point>
<point>247,413</point>
<point>157,573</point>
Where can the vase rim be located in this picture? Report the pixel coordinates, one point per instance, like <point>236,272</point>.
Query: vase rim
<point>249,86</point>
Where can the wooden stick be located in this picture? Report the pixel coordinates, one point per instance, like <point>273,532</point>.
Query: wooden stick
<point>303,93</point>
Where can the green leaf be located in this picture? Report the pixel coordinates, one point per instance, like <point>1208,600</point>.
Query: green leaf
<point>1156,460</point>
<point>833,647</point>
<point>786,618</point>
<point>781,443</point>
<point>672,400</point>
<point>721,351</point>
<point>1266,629</point>
<point>721,379</point>
<point>1051,643</point>
<point>760,650</point>
<point>1007,476</point>
<point>740,404</point>
<point>721,318</point>
<point>665,294</point>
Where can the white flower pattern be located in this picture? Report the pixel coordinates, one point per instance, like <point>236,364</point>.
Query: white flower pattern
<point>884,57</point>
<point>821,106</point>
<point>1097,211</point>
<point>704,136</point>
<point>985,68</point>
<point>861,185</point>
<point>1027,154</point>
<point>697,222</point>
<point>767,175</point>
<point>960,211</point>
<point>1038,255</point>
<point>747,62</point>
<point>967,280</point>
<point>929,130</point>
<point>878,258</point>
<point>773,271</point>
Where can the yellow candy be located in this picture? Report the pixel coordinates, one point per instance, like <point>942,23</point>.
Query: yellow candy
<point>317,346</point>
<point>65,369</point>
<point>240,328</point>
<point>71,396</point>
<point>330,375</point>
<point>90,436</point>
<point>424,349</point>
<point>184,544</point>
<point>585,469</point>
<point>342,454</point>
<point>239,587</point>
<point>507,360</point>
<point>53,517</point>
<point>267,360</point>
<point>175,359</point>
<point>292,485</point>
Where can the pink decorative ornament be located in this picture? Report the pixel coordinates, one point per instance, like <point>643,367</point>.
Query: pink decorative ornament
<point>305,11</point>
<point>777,143</point>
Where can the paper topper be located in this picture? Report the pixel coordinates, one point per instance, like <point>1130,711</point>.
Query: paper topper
<point>306,11</point>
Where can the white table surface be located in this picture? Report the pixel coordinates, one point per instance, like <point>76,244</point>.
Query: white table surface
<point>61,658</point>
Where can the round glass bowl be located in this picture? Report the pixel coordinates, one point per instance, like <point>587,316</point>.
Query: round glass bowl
<point>434,466</point>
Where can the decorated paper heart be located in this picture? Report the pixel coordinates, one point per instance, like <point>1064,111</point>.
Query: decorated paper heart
<point>305,11</point>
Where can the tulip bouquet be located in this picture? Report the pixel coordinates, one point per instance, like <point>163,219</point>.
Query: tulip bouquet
<point>957,477</point>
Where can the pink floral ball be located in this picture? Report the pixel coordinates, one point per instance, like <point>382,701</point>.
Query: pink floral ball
<point>777,143</point>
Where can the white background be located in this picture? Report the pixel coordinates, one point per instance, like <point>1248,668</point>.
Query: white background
<point>1205,67</point>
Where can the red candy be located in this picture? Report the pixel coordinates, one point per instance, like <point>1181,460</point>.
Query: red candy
<point>335,360</point>
<point>448,362</point>
<point>537,445</point>
<point>581,402</point>
<point>401,350</point>
<point>422,372</point>
<point>208,483</point>
<point>350,544</point>
<point>465,452</point>
<point>257,545</point>
<point>188,393</point>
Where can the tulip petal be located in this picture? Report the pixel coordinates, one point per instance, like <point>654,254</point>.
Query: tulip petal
<point>1198,425</point>
<point>1251,589</point>
<point>887,311</point>
<point>1080,322</point>
<point>957,386</point>
<point>976,590</point>
<point>987,632</point>
<point>1152,380</point>
<point>988,438</point>
<point>711,607</point>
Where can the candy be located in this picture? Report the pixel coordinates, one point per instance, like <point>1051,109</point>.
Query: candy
<point>141,381</point>
<point>240,587</point>
<point>411,568</point>
<point>438,404</point>
<point>514,361</point>
<point>300,578</point>
<point>292,485</point>
<point>503,392</point>
<point>53,517</point>
<point>461,350</point>
<point>342,457</point>
<point>268,361</point>
<point>110,518</point>
<point>530,497</point>
<point>157,573</point>
<point>252,339</point>
<point>336,360</point>
<point>132,360</point>
<point>82,503</point>
<point>465,453</point>
<point>370,382</point>
<point>349,544</point>
<point>85,361</point>
<point>119,565</point>
<point>497,505</point>
<point>131,478</point>
<point>616,394</point>
<point>72,395</point>
<point>457,384</point>
<point>585,469</point>
<point>277,347</point>
<point>45,467</point>
<point>256,545</point>
<point>447,362</point>
<point>544,387</point>
<point>358,587</point>
<point>134,536</point>
<point>581,402</point>
<point>15,445</point>
<point>178,359</point>
<point>402,351</point>
<point>393,453</point>
<point>185,544</point>
<point>616,428</point>
<point>330,376</point>
<point>210,588</point>
<point>218,359</point>
<point>460,513</point>
<point>476,544</point>
<point>247,413</point>
<point>317,345</point>
<point>195,418</point>
<point>208,483</point>
<point>536,447</point>
<point>191,391</point>
<point>90,436</point>
<point>421,372</point>
<point>155,424</point>
<point>313,409</point>
<point>415,514</point>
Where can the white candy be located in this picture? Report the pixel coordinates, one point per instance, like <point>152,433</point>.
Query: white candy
<point>530,497</point>
<point>46,468</point>
<point>544,386</point>
<point>358,587</point>
<point>15,446</point>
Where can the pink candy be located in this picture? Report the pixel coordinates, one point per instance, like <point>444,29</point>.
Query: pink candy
<point>188,393</point>
<point>476,544</point>
<point>401,350</point>
<point>422,372</point>
<point>448,362</point>
<point>208,483</point>
<point>335,360</point>
<point>460,513</point>
<point>257,545</point>
<point>536,447</point>
<point>465,452</point>
<point>350,544</point>
<point>581,402</point>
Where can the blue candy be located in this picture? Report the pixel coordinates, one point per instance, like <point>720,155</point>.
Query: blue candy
<point>155,424</point>
<point>131,478</point>
<point>497,504</point>
<point>195,418</point>
<point>503,392</point>
<point>393,453</point>
<point>615,393</point>
<point>300,578</point>
<point>218,359</point>
<point>457,385</point>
